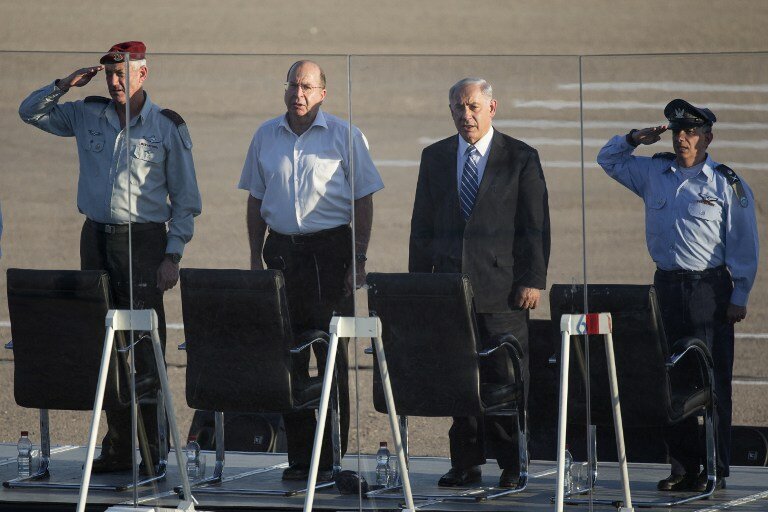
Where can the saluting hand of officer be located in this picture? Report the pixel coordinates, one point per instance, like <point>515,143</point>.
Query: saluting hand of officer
<point>648,136</point>
<point>78,78</point>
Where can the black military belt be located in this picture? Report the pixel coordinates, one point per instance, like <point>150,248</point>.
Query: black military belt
<point>681,274</point>
<point>119,229</point>
<point>308,238</point>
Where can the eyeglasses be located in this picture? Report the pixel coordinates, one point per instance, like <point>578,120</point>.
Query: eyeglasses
<point>305,88</point>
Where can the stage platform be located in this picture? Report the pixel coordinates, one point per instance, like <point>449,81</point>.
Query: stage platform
<point>747,487</point>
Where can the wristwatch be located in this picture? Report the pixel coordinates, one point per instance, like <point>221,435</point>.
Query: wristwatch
<point>360,258</point>
<point>174,257</point>
<point>630,138</point>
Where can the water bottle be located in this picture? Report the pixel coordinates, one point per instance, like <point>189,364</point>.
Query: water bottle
<point>383,465</point>
<point>25,454</point>
<point>192,450</point>
<point>567,475</point>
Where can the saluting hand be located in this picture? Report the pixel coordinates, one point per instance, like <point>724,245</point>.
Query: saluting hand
<point>648,136</point>
<point>78,78</point>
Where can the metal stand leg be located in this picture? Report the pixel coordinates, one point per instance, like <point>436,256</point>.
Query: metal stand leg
<point>590,324</point>
<point>138,320</point>
<point>350,327</point>
<point>565,359</point>
<point>617,423</point>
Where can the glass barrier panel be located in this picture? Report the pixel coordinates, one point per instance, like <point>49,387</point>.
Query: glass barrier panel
<point>653,214</point>
<point>402,105</point>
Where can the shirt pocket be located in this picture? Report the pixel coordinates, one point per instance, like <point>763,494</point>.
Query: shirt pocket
<point>708,212</point>
<point>655,210</point>
<point>153,155</point>
<point>94,144</point>
<point>146,160</point>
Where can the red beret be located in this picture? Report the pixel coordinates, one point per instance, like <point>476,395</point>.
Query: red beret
<point>137,50</point>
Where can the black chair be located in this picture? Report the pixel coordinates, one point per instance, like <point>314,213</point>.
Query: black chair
<point>431,342</point>
<point>239,346</point>
<point>58,329</point>
<point>661,382</point>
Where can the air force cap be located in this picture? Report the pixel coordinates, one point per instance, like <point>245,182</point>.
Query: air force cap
<point>682,115</point>
<point>136,49</point>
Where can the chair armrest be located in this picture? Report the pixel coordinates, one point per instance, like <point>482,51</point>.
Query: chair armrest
<point>504,340</point>
<point>9,345</point>
<point>183,345</point>
<point>315,336</point>
<point>687,345</point>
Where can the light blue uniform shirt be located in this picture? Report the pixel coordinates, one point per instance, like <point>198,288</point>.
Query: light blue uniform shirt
<point>163,182</point>
<point>692,224</point>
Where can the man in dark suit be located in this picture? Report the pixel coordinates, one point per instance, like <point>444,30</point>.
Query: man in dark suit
<point>481,209</point>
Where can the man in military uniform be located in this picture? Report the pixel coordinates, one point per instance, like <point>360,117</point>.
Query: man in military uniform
<point>157,187</point>
<point>701,233</point>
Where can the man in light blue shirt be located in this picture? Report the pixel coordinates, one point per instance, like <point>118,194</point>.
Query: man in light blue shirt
<point>299,177</point>
<point>702,234</point>
<point>148,181</point>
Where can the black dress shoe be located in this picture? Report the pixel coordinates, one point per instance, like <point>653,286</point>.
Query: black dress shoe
<point>677,483</point>
<point>701,482</point>
<point>110,464</point>
<point>301,472</point>
<point>509,478</point>
<point>461,477</point>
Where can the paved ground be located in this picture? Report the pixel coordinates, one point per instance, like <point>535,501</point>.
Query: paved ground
<point>400,103</point>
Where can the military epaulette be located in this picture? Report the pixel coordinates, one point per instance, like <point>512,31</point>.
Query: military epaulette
<point>666,155</point>
<point>173,116</point>
<point>96,99</point>
<point>735,183</point>
<point>180,125</point>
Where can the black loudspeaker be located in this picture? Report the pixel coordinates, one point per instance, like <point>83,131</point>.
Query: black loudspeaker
<point>749,446</point>
<point>243,432</point>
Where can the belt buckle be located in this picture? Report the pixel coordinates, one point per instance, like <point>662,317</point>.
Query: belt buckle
<point>109,229</point>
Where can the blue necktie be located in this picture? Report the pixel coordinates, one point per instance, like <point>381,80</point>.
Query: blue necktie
<point>470,182</point>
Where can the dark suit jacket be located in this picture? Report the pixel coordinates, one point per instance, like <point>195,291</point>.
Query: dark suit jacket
<point>505,243</point>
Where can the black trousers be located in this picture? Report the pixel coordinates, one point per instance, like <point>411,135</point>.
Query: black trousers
<point>314,267</point>
<point>695,304</point>
<point>471,438</point>
<point>104,251</point>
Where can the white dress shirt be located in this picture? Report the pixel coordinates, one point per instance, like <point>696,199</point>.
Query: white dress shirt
<point>304,180</point>
<point>483,147</point>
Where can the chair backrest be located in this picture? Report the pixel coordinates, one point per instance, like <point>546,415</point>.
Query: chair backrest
<point>430,341</point>
<point>58,330</point>
<point>640,350</point>
<point>238,336</point>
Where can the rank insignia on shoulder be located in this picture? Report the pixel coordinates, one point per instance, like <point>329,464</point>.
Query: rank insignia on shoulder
<point>735,183</point>
<point>666,155</point>
<point>181,125</point>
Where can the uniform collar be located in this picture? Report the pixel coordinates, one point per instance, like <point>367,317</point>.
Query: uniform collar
<point>708,170</point>
<point>111,114</point>
<point>319,121</point>
<point>481,145</point>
